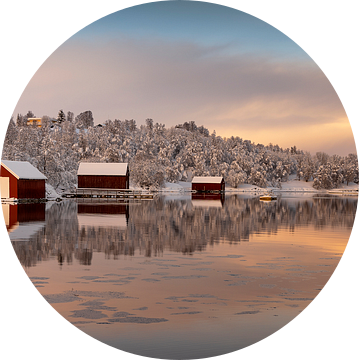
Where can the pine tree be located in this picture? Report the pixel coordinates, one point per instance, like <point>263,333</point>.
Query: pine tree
<point>30,114</point>
<point>350,168</point>
<point>258,176</point>
<point>70,116</point>
<point>323,178</point>
<point>20,120</point>
<point>11,137</point>
<point>307,167</point>
<point>61,117</point>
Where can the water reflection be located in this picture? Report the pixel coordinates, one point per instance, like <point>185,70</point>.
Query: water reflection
<point>16,214</point>
<point>74,230</point>
<point>208,200</point>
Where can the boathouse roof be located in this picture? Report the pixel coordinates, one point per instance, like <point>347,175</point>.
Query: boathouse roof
<point>107,169</point>
<point>207,179</point>
<point>23,170</point>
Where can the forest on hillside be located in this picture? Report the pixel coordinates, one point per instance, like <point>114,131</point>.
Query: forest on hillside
<point>157,154</point>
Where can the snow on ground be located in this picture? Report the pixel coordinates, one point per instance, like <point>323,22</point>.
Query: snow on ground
<point>298,186</point>
<point>290,186</point>
<point>181,186</point>
<point>302,186</point>
<point>351,186</point>
<point>246,188</point>
<point>51,193</point>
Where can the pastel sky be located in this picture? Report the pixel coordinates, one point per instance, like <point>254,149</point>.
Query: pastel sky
<point>180,61</point>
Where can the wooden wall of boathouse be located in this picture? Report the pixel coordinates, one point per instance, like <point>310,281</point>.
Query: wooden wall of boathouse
<point>103,181</point>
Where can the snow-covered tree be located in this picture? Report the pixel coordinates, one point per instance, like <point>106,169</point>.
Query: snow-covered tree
<point>336,166</point>
<point>157,154</point>
<point>300,166</point>
<point>322,158</point>
<point>10,148</point>
<point>350,168</point>
<point>61,117</point>
<point>20,120</point>
<point>84,120</point>
<point>235,178</point>
<point>323,178</point>
<point>258,176</point>
<point>112,155</point>
<point>70,116</point>
<point>145,172</point>
<point>307,167</point>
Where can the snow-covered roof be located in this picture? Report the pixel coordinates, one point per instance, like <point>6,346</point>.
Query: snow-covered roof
<point>23,170</point>
<point>102,169</point>
<point>207,179</point>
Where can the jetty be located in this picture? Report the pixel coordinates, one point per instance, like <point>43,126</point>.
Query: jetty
<point>109,193</point>
<point>343,192</point>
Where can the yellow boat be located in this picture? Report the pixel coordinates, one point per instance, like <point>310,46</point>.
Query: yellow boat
<point>268,197</point>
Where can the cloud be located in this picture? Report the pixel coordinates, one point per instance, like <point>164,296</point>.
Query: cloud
<point>220,87</point>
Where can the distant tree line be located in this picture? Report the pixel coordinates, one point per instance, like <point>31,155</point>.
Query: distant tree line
<point>158,154</point>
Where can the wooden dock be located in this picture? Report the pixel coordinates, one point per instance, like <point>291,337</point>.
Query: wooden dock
<point>110,193</point>
<point>344,192</point>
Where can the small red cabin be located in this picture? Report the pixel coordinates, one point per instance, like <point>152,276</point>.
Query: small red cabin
<point>103,176</point>
<point>21,180</point>
<point>208,184</point>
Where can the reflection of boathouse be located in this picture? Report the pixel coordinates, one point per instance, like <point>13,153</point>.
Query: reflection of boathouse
<point>23,220</point>
<point>97,214</point>
<point>208,184</point>
<point>208,200</point>
<point>102,224</point>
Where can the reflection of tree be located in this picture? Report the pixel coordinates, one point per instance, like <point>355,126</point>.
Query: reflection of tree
<point>27,251</point>
<point>176,225</point>
<point>57,239</point>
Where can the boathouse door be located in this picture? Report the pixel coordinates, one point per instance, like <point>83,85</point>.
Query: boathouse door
<point>4,187</point>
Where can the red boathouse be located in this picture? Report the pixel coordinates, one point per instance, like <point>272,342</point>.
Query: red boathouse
<point>208,184</point>
<point>21,180</point>
<point>103,176</point>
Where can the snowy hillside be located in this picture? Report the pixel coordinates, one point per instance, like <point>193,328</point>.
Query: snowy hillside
<point>158,156</point>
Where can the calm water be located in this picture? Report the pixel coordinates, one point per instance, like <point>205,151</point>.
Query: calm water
<point>181,277</point>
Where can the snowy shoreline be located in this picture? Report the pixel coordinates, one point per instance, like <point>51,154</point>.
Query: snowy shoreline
<point>292,186</point>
